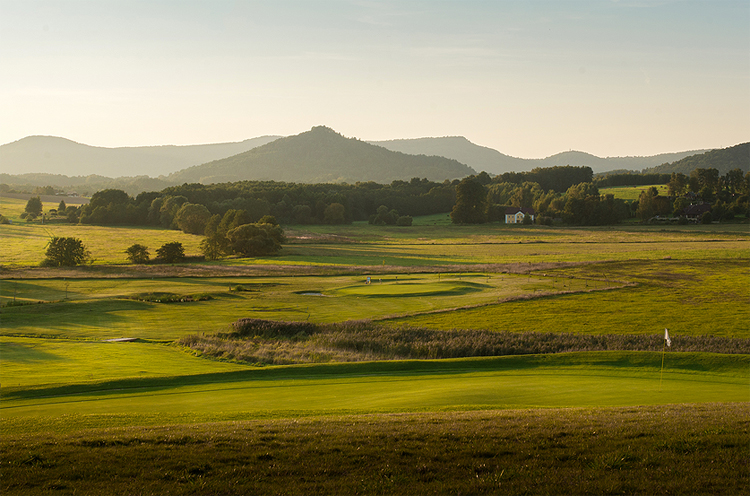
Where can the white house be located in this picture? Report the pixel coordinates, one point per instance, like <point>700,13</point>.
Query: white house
<point>515,215</point>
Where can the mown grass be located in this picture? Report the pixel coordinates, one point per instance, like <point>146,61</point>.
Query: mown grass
<point>105,308</point>
<point>689,298</point>
<point>34,362</point>
<point>676,449</point>
<point>538,381</point>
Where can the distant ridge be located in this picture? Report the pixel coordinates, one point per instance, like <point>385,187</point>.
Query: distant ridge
<point>479,158</point>
<point>490,160</point>
<point>53,155</point>
<point>722,159</point>
<point>49,160</point>
<point>322,155</point>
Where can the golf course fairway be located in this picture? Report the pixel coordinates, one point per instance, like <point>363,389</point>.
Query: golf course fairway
<point>531,381</point>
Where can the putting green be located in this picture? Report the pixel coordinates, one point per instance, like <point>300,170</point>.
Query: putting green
<point>409,288</point>
<point>565,380</point>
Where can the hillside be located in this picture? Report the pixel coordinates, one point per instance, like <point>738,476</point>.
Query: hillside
<point>724,159</point>
<point>53,155</point>
<point>481,158</point>
<point>83,185</point>
<point>322,155</point>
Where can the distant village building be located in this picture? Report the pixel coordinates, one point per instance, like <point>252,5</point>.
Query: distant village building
<point>515,215</point>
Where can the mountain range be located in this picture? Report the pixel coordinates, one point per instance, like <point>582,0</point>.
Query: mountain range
<point>53,155</point>
<point>492,161</point>
<point>318,155</point>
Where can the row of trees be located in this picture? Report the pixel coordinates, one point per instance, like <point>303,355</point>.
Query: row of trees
<point>69,252</point>
<point>557,193</point>
<point>479,200</point>
<point>580,204</point>
<point>704,182</point>
<point>179,206</point>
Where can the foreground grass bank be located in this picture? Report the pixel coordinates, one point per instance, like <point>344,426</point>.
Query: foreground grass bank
<point>674,449</point>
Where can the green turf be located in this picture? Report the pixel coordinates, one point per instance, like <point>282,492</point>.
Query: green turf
<point>412,287</point>
<point>34,362</point>
<point>103,308</point>
<point>564,380</point>
<point>693,298</point>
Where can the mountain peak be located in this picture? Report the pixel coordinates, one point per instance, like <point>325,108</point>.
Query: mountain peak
<point>323,155</point>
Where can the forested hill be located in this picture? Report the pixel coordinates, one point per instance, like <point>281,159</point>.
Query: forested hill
<point>724,160</point>
<point>53,155</point>
<point>321,155</point>
<point>490,160</point>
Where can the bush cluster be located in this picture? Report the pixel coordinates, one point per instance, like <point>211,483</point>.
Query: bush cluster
<point>244,328</point>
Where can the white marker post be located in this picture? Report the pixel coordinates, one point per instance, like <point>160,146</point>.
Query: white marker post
<point>667,342</point>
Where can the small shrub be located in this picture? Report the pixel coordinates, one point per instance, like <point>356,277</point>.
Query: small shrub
<point>137,254</point>
<point>404,220</point>
<point>171,252</point>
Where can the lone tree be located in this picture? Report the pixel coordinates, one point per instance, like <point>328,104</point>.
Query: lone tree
<point>65,252</point>
<point>471,204</point>
<point>33,208</point>
<point>171,252</point>
<point>252,240</point>
<point>137,254</point>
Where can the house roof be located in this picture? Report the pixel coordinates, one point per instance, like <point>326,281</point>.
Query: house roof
<point>515,210</point>
<point>693,210</point>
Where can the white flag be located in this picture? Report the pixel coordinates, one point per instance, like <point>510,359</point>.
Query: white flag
<point>666,337</point>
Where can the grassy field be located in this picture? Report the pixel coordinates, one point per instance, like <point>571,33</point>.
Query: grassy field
<point>111,308</point>
<point>423,245</point>
<point>171,419</point>
<point>632,192</point>
<point>688,297</point>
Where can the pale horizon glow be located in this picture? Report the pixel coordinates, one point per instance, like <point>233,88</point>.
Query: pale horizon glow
<point>527,78</point>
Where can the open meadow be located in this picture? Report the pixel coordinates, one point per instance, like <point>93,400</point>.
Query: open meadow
<point>478,359</point>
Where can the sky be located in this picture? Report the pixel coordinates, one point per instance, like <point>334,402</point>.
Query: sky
<point>527,78</point>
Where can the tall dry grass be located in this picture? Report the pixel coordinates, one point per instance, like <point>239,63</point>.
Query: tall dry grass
<point>280,343</point>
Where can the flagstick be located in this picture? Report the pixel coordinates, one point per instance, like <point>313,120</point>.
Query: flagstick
<point>663,350</point>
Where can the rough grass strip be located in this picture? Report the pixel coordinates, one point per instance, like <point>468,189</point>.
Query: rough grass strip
<point>261,341</point>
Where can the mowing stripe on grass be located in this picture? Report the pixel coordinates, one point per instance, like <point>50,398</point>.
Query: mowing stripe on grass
<point>565,380</point>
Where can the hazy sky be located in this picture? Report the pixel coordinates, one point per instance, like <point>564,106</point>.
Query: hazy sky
<point>528,78</point>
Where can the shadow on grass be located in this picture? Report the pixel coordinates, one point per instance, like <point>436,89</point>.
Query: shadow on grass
<point>624,361</point>
<point>20,353</point>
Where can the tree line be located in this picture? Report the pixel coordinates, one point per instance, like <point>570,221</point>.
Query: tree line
<point>564,194</point>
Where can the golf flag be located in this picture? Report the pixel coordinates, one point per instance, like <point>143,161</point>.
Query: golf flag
<point>666,337</point>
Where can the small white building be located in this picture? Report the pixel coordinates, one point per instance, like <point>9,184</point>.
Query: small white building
<point>515,215</point>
